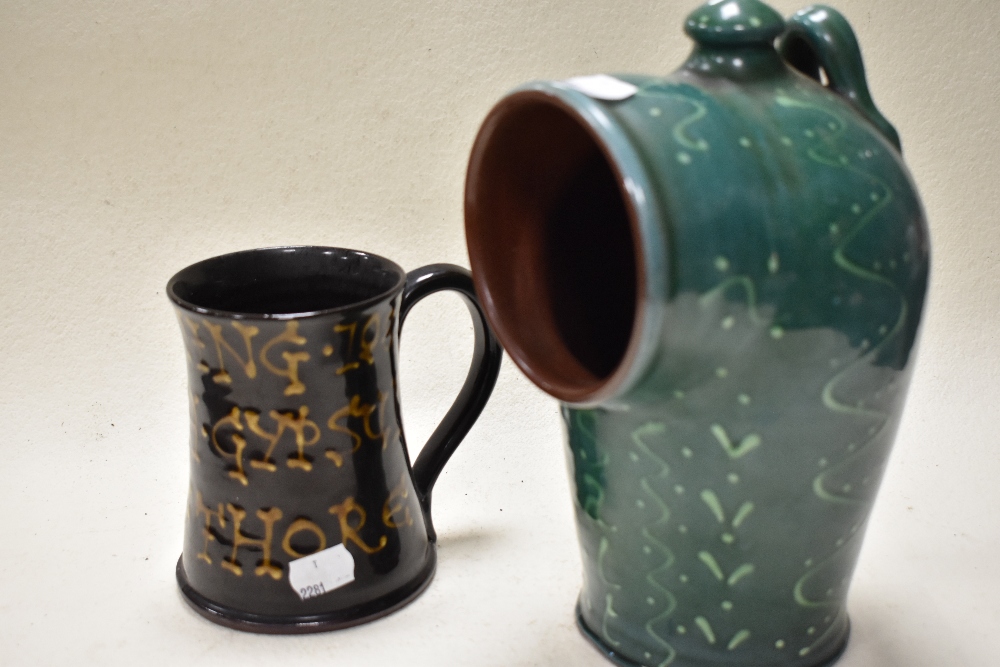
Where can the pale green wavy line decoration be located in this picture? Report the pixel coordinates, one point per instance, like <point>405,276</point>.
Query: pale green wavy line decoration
<point>799,594</point>
<point>818,482</point>
<point>751,295</point>
<point>599,495</point>
<point>829,398</point>
<point>602,550</point>
<point>680,128</point>
<point>598,498</point>
<point>655,428</point>
<point>609,611</point>
<point>679,131</point>
<point>651,575</point>
<point>651,428</point>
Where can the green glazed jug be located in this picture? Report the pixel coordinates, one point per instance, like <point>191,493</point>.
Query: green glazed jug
<point>720,274</point>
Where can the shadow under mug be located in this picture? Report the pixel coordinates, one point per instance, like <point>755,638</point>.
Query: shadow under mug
<point>304,512</point>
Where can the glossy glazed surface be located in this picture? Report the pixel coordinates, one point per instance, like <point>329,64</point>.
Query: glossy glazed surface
<point>725,471</point>
<point>296,440</point>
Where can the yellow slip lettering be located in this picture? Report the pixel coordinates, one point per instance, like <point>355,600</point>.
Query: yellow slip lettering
<point>396,511</point>
<point>349,532</point>
<point>239,444</point>
<point>247,332</point>
<point>297,527</point>
<point>206,530</point>
<point>292,359</point>
<point>265,566</point>
<point>298,423</point>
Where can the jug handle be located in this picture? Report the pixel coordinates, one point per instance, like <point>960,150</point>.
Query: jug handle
<point>486,357</point>
<point>819,39</point>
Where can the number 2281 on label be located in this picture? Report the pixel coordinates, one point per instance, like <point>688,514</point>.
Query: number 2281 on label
<point>321,572</point>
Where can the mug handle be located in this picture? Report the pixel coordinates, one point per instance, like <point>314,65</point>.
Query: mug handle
<point>471,400</point>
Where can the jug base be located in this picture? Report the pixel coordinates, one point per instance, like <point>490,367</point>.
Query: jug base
<point>293,625</point>
<point>614,656</point>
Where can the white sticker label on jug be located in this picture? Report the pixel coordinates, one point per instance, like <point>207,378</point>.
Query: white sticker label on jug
<point>602,87</point>
<point>321,572</point>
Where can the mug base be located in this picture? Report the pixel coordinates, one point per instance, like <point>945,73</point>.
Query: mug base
<point>295,625</point>
<point>615,657</point>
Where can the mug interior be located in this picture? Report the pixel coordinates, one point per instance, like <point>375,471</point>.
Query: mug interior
<point>277,282</point>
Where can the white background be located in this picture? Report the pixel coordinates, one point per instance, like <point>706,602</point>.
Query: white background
<point>138,137</point>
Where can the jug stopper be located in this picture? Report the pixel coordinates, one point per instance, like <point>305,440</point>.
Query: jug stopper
<point>734,23</point>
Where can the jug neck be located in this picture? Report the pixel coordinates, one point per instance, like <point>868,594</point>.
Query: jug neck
<point>741,63</point>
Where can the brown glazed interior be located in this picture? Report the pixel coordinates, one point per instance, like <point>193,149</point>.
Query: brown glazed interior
<point>553,244</point>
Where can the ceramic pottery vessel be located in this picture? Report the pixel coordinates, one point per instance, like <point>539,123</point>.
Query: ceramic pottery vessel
<point>304,513</point>
<point>720,273</point>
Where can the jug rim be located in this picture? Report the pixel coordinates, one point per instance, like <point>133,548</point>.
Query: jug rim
<point>646,230</point>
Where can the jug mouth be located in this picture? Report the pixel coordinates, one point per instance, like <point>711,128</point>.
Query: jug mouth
<point>563,238</point>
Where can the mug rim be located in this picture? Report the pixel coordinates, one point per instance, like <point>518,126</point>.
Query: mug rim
<point>384,295</point>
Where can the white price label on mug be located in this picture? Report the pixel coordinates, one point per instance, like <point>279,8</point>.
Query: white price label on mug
<point>321,572</point>
<point>602,87</point>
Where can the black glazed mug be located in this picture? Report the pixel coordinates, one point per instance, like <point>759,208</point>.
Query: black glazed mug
<point>304,512</point>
